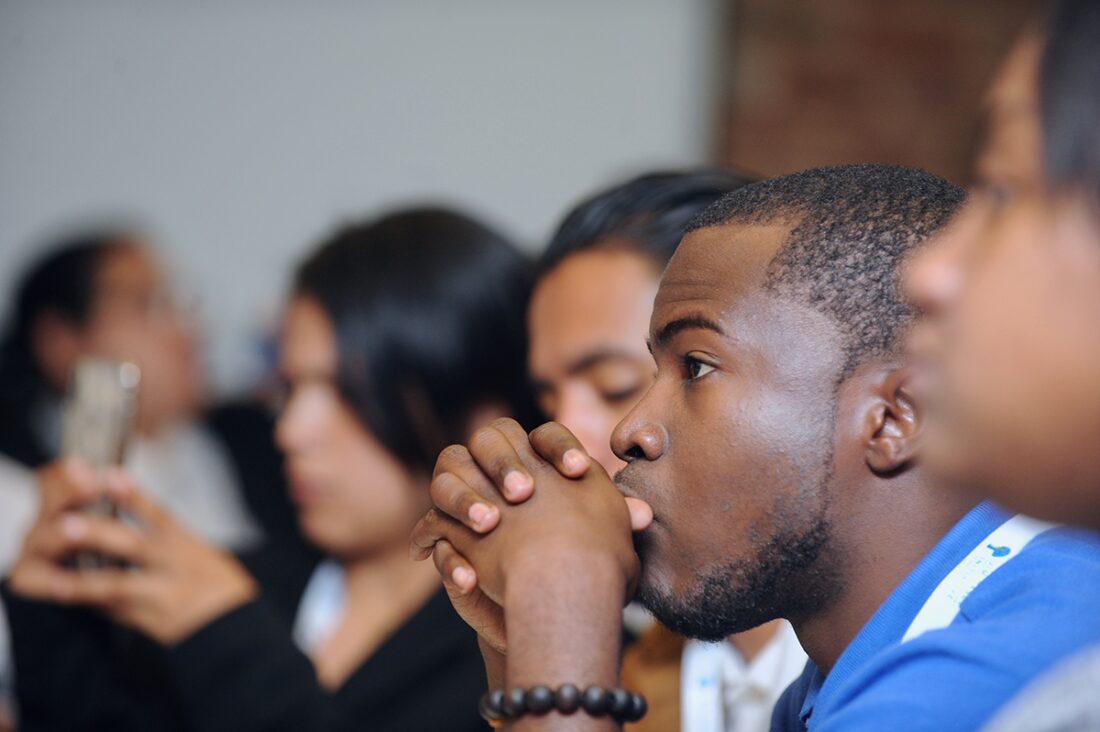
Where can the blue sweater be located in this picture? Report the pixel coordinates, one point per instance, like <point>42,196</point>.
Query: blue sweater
<point>1033,611</point>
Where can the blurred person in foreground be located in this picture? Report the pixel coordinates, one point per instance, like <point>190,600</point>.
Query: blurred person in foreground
<point>400,335</point>
<point>773,470</point>
<point>589,366</point>
<point>1011,345</point>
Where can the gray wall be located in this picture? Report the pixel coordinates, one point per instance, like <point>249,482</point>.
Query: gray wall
<point>241,131</point>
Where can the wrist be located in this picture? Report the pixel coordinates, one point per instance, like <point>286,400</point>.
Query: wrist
<point>216,604</point>
<point>564,620</point>
<point>494,664</point>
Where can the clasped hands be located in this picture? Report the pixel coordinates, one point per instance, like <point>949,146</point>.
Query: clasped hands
<point>172,584</point>
<point>528,523</point>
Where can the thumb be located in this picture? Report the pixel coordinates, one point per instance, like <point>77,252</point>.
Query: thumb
<point>641,514</point>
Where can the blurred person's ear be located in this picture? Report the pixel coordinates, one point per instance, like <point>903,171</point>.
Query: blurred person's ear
<point>892,423</point>
<point>56,344</point>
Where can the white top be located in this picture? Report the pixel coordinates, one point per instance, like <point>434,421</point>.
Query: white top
<point>321,607</point>
<point>721,693</point>
<point>187,472</point>
<point>18,506</point>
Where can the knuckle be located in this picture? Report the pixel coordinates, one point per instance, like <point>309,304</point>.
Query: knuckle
<point>504,424</point>
<point>460,502</point>
<point>484,438</point>
<point>430,522</point>
<point>443,552</point>
<point>452,455</point>
<point>439,488</point>
<point>448,493</point>
<point>545,431</point>
<point>438,561</point>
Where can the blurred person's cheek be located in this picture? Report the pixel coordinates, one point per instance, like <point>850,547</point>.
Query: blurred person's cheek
<point>592,421</point>
<point>172,384</point>
<point>935,280</point>
<point>935,276</point>
<point>1019,401</point>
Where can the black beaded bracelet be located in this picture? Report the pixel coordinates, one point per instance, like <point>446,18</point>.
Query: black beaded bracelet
<point>621,705</point>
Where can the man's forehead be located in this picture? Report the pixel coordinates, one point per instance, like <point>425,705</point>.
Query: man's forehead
<point>719,266</point>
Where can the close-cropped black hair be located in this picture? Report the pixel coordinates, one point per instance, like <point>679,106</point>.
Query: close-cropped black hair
<point>853,226</point>
<point>428,308</point>
<point>1069,96</point>
<point>62,283</point>
<point>647,214</point>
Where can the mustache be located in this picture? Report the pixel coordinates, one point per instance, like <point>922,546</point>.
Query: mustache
<point>629,482</point>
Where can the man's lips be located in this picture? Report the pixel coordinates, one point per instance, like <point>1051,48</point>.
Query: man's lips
<point>642,515</point>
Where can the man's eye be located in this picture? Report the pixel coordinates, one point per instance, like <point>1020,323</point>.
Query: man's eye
<point>695,368</point>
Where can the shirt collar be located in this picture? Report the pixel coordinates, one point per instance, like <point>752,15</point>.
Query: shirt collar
<point>888,624</point>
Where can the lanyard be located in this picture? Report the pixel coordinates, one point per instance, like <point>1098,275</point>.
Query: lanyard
<point>991,553</point>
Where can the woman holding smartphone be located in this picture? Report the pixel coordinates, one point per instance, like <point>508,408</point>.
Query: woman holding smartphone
<point>401,336</point>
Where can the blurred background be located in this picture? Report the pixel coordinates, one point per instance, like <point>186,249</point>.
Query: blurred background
<point>239,133</point>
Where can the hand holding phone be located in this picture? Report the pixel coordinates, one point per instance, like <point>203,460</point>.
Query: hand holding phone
<point>96,424</point>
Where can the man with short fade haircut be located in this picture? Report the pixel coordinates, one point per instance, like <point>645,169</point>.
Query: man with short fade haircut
<point>772,472</point>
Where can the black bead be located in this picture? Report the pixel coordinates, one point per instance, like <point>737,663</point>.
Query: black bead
<point>540,699</point>
<point>596,700</point>
<point>638,708</point>
<point>489,705</point>
<point>620,702</point>
<point>567,699</point>
<point>513,705</point>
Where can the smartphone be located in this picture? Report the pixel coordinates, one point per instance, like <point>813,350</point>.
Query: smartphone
<point>96,425</point>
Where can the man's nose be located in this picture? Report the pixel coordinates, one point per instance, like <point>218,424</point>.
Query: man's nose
<point>639,437</point>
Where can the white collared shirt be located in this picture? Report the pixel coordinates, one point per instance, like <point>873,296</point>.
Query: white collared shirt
<point>721,693</point>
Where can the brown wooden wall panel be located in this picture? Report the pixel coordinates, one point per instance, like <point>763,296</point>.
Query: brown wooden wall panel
<point>819,82</point>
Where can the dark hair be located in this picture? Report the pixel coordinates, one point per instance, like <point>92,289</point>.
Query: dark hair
<point>853,227</point>
<point>1069,95</point>
<point>61,282</point>
<point>647,214</point>
<point>428,310</point>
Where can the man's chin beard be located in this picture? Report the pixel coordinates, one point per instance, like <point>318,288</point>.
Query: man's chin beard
<point>786,577</point>
<point>708,621</point>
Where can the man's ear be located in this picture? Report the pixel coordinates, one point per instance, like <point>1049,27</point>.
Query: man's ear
<point>893,424</point>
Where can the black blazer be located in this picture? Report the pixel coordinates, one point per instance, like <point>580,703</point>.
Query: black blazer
<point>76,671</point>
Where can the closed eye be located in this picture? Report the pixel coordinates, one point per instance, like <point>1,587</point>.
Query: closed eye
<point>621,395</point>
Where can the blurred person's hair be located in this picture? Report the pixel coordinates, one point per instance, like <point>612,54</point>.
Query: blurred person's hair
<point>427,306</point>
<point>646,215</point>
<point>60,283</point>
<point>853,226</point>
<point>1069,95</point>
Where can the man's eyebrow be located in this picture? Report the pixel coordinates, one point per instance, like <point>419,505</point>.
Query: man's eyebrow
<point>669,330</point>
